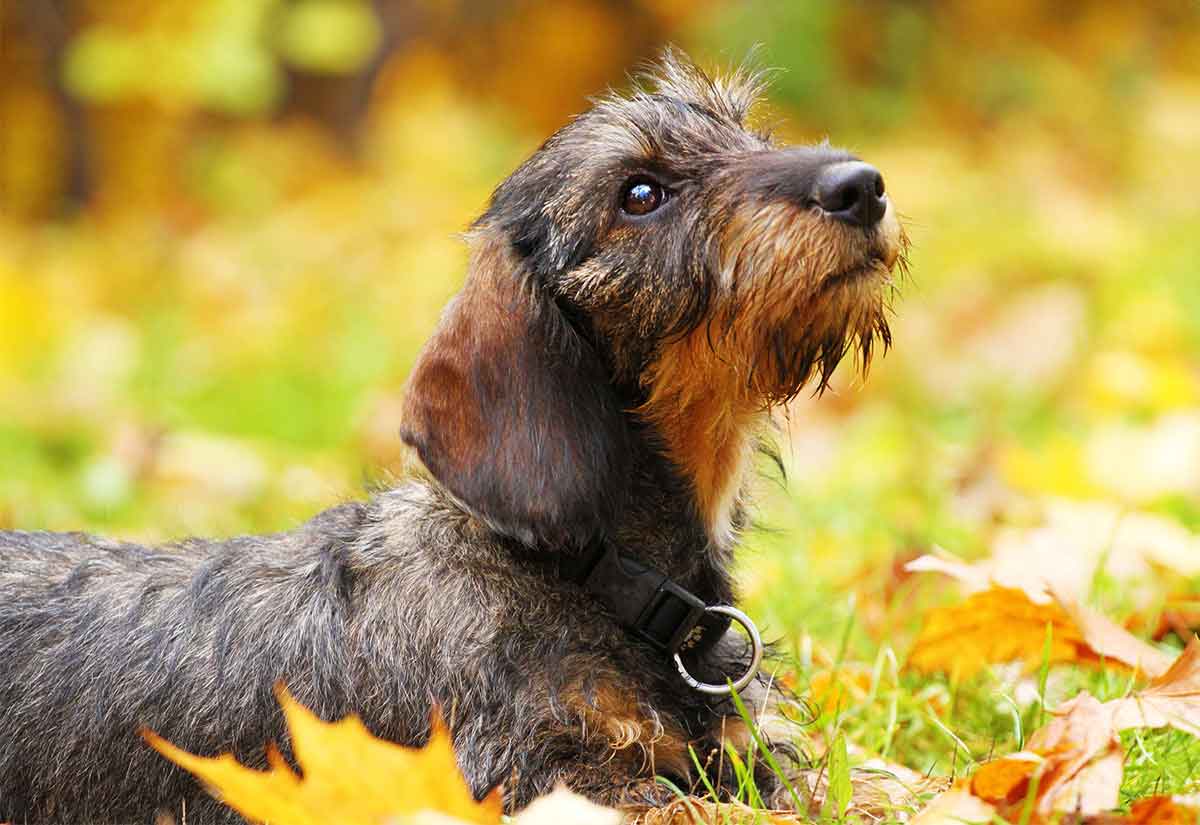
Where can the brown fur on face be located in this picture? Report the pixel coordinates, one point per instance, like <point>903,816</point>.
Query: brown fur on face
<point>797,291</point>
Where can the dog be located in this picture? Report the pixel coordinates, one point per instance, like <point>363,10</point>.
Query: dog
<point>555,572</point>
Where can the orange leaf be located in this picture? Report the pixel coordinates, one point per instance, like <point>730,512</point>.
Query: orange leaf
<point>1005,781</point>
<point>1005,625</point>
<point>1153,810</point>
<point>1162,810</point>
<point>997,625</point>
<point>349,776</point>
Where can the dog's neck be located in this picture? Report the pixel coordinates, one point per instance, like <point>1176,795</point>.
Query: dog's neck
<point>709,426</point>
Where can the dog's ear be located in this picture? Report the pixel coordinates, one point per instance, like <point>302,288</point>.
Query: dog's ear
<point>513,412</point>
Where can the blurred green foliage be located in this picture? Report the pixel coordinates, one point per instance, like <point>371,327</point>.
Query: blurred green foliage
<point>223,55</point>
<point>228,225</point>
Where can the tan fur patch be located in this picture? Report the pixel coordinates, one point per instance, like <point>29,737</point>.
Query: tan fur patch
<point>708,422</point>
<point>612,715</point>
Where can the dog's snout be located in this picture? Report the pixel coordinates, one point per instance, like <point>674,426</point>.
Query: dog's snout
<point>851,191</point>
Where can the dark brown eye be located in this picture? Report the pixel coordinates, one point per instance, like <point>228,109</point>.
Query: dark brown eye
<point>641,196</point>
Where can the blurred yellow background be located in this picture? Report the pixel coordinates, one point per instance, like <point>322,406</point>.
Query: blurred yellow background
<point>228,225</point>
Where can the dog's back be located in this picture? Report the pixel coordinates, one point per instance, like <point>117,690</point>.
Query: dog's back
<point>99,638</point>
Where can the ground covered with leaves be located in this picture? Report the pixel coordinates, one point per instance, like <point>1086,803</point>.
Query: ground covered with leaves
<point>982,570</point>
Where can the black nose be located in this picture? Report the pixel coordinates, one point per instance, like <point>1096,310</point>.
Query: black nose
<point>851,191</point>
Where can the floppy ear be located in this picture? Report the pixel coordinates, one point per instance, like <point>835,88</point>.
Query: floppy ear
<point>513,411</point>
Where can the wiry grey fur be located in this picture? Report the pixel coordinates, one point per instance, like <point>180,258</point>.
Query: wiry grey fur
<point>525,409</point>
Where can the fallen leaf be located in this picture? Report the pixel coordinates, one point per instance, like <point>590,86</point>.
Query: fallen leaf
<point>1073,764</point>
<point>1005,781</point>
<point>1006,625</point>
<point>1172,699</point>
<point>349,776</point>
<point>878,791</point>
<point>1153,810</point>
<point>1076,541</point>
<point>1108,639</point>
<point>1163,810</point>
<point>691,811</point>
<point>997,625</point>
<point>955,807</point>
<point>1082,770</point>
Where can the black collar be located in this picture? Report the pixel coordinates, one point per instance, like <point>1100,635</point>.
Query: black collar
<point>653,607</point>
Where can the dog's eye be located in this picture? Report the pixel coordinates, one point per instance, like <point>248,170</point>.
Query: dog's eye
<point>642,196</point>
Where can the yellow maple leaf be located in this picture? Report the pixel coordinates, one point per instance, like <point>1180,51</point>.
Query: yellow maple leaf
<point>349,776</point>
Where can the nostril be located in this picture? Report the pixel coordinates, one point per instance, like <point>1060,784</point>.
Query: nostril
<point>841,199</point>
<point>851,191</point>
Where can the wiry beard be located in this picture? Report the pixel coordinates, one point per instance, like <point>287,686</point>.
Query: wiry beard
<point>805,293</point>
<point>836,323</point>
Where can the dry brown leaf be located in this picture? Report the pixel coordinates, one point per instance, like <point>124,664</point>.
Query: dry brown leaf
<point>1065,552</point>
<point>1109,640</point>
<point>349,776</point>
<point>1172,699</point>
<point>879,791</point>
<point>1073,764</point>
<point>1083,759</point>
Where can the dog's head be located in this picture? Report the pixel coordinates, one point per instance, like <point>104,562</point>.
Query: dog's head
<point>659,260</point>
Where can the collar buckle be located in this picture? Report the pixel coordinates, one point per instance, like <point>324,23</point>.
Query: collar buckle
<point>670,617</point>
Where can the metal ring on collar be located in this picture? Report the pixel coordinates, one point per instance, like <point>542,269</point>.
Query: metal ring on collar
<point>755,658</point>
